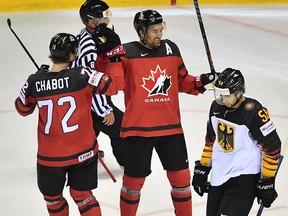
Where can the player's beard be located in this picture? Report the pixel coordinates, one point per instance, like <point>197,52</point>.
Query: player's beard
<point>151,43</point>
<point>156,42</point>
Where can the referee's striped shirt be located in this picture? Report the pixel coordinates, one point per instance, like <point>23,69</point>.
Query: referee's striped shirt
<point>86,58</point>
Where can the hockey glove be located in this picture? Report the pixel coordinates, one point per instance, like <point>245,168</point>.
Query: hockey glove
<point>108,42</point>
<point>265,191</point>
<point>44,67</point>
<point>199,181</point>
<point>205,81</point>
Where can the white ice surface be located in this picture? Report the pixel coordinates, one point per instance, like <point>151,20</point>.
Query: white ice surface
<point>253,39</point>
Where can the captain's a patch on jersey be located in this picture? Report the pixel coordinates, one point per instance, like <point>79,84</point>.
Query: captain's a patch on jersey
<point>267,128</point>
<point>95,78</point>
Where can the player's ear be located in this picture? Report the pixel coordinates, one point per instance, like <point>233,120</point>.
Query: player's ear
<point>72,56</point>
<point>141,33</point>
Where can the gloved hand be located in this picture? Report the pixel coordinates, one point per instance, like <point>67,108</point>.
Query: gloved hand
<point>205,81</point>
<point>199,181</point>
<point>108,42</point>
<point>44,67</point>
<point>265,191</point>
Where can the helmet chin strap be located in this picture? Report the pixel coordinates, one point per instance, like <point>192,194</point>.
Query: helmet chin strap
<point>142,41</point>
<point>240,99</point>
<point>95,20</point>
<point>69,64</point>
<point>69,61</point>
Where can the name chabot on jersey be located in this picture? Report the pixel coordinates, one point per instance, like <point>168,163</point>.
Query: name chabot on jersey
<point>53,84</point>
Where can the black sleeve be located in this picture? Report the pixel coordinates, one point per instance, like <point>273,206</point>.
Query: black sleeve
<point>264,132</point>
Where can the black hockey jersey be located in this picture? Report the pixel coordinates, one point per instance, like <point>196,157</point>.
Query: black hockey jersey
<point>240,141</point>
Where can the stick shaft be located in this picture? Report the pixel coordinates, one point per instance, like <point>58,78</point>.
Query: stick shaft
<point>23,46</point>
<point>283,152</point>
<point>261,208</point>
<point>200,21</point>
<point>107,169</point>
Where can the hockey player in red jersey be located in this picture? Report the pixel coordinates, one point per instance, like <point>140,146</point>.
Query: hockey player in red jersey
<point>154,74</point>
<point>241,142</point>
<point>66,140</point>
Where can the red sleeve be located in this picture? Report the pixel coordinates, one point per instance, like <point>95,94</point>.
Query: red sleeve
<point>24,110</point>
<point>187,84</point>
<point>113,69</point>
<point>101,63</point>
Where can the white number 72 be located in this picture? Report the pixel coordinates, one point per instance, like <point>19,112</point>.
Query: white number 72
<point>67,116</point>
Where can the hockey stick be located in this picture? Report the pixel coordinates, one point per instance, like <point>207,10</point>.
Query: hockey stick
<point>9,25</point>
<point>283,152</point>
<point>107,169</point>
<point>200,21</point>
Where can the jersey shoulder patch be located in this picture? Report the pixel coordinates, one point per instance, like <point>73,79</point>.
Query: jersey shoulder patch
<point>250,105</point>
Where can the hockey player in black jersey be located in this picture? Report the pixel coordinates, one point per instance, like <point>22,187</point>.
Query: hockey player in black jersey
<point>242,150</point>
<point>106,116</point>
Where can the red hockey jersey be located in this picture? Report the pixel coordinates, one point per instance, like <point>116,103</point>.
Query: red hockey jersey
<point>153,78</point>
<point>65,131</point>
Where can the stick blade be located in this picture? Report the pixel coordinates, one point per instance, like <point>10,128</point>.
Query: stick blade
<point>9,22</point>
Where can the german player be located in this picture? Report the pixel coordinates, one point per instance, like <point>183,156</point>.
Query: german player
<point>242,148</point>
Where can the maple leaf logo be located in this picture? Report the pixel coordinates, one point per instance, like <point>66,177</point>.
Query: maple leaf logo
<point>158,83</point>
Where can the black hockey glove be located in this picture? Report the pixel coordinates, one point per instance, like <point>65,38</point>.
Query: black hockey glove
<point>265,191</point>
<point>200,176</point>
<point>44,67</point>
<point>108,42</point>
<point>203,80</point>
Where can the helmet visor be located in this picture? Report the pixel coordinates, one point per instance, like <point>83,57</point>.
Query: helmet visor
<point>218,92</point>
<point>106,13</point>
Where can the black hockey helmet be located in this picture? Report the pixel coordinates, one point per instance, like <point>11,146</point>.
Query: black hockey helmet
<point>61,45</point>
<point>93,9</point>
<point>230,80</point>
<point>146,18</point>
